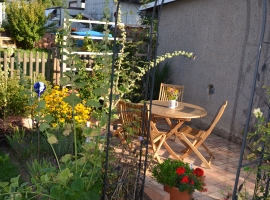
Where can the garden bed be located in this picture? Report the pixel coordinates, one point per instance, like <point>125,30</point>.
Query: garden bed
<point>8,125</point>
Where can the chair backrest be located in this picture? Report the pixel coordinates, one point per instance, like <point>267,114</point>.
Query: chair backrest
<point>163,88</point>
<point>131,115</point>
<point>217,118</point>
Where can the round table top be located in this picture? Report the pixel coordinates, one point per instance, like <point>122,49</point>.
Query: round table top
<point>184,110</point>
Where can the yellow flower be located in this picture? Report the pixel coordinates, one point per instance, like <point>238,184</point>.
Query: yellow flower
<point>62,111</point>
<point>54,125</point>
<point>61,120</point>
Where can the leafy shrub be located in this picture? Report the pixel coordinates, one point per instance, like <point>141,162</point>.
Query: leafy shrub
<point>15,93</point>
<point>26,22</point>
<point>11,102</point>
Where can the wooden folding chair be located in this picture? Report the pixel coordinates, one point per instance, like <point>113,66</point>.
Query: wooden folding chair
<point>130,121</point>
<point>157,139</point>
<point>198,137</point>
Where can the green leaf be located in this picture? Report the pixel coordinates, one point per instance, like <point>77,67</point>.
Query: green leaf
<point>72,99</point>
<point>55,191</point>
<point>18,196</point>
<point>4,184</point>
<point>39,189</point>
<point>246,168</point>
<point>52,139</point>
<point>64,175</point>
<point>24,184</point>
<point>15,181</point>
<point>42,104</point>
<point>93,103</point>
<point>77,76</point>
<point>68,126</point>
<point>67,132</point>
<point>100,91</point>
<point>46,178</point>
<point>70,192</point>
<point>84,196</point>
<point>44,126</point>
<point>79,85</point>
<point>66,158</point>
<point>49,118</point>
<point>48,170</point>
<point>77,184</point>
<point>64,81</point>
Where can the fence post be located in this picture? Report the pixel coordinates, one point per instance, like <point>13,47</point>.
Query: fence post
<point>5,61</point>
<point>31,64</point>
<point>12,67</point>
<point>37,63</point>
<point>56,66</point>
<point>43,66</point>
<point>24,63</point>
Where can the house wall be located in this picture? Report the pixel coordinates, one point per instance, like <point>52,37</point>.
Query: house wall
<point>224,35</point>
<point>130,15</point>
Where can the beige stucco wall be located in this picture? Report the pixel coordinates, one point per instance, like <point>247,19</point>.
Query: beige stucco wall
<point>224,35</point>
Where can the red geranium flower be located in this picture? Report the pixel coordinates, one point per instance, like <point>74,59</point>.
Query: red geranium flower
<point>180,170</point>
<point>198,172</point>
<point>184,179</point>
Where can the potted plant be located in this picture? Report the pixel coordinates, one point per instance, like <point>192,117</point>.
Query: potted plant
<point>180,179</point>
<point>172,94</point>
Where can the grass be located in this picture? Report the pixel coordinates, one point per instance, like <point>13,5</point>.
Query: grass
<point>8,169</point>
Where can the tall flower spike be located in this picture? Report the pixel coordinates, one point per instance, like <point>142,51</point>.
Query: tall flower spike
<point>39,88</point>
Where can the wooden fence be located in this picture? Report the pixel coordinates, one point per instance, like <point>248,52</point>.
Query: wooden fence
<point>30,63</point>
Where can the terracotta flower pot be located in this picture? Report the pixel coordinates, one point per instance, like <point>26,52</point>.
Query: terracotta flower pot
<point>175,194</point>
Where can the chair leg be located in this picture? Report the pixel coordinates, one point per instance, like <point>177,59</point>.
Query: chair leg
<point>156,149</point>
<point>174,155</point>
<point>208,151</point>
<point>195,150</point>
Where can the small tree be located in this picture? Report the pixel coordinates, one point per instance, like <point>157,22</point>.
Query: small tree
<point>52,3</point>
<point>26,22</point>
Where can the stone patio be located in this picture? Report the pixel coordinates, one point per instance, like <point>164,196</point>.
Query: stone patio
<point>219,179</point>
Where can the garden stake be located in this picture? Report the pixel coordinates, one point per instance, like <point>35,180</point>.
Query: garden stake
<point>39,88</point>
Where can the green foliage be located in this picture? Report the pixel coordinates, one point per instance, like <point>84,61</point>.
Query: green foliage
<point>162,75</point>
<point>8,170</point>
<point>258,138</point>
<point>4,159</point>
<point>25,145</point>
<point>26,22</point>
<point>52,3</point>
<point>98,28</point>
<point>11,102</point>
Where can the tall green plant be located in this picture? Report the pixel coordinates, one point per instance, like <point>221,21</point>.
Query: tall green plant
<point>259,141</point>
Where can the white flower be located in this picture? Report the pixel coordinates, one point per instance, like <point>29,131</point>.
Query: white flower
<point>258,113</point>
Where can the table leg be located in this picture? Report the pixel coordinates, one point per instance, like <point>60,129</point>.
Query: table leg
<point>174,130</point>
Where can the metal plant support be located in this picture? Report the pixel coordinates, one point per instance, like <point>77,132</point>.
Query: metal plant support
<point>137,178</point>
<point>262,156</point>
